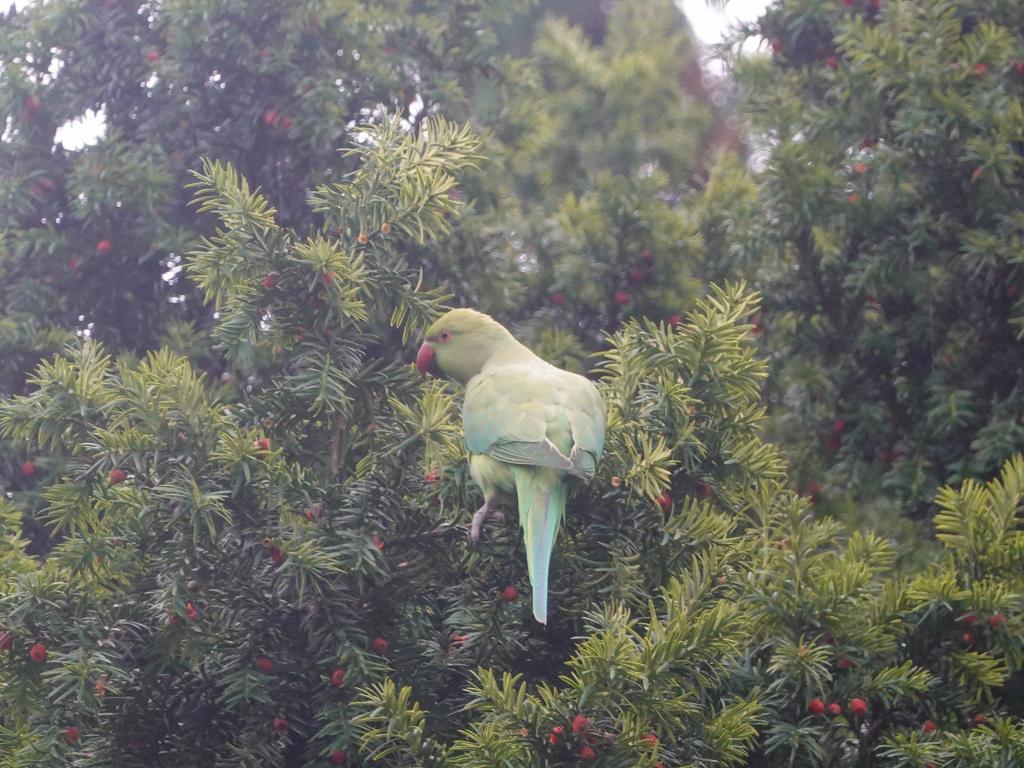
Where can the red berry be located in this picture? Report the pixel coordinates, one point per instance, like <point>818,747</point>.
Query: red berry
<point>833,443</point>
<point>858,706</point>
<point>314,512</point>
<point>968,638</point>
<point>587,752</point>
<point>580,723</point>
<point>277,556</point>
<point>556,734</point>
<point>675,320</point>
<point>338,678</point>
<point>637,275</point>
<point>280,724</point>
<point>558,299</point>
<point>777,45</point>
<point>432,476</point>
<point>285,123</point>
<point>844,664</point>
<point>191,612</point>
<point>622,298</point>
<point>269,281</point>
<point>834,708</point>
<point>1019,66</point>
<point>703,490</point>
<point>976,173</point>
<point>270,116</point>
<point>838,426</point>
<point>32,103</point>
<point>328,277</point>
<point>665,502</point>
<point>38,653</point>
<point>860,168</point>
<point>927,726</point>
<point>997,620</point>
<point>27,469</point>
<point>337,757</point>
<point>853,197</point>
<point>104,246</point>
<point>816,707</point>
<point>848,3</point>
<point>47,184</point>
<point>264,665</point>
<point>71,734</point>
<point>380,646</point>
<point>969,619</point>
<point>978,719</point>
<point>832,62</point>
<point>5,641</point>
<point>980,68</point>
<point>509,594</point>
<point>152,56</point>
<point>868,143</point>
<point>650,739</point>
<point>117,476</point>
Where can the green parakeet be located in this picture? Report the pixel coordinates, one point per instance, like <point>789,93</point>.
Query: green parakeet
<point>529,427</point>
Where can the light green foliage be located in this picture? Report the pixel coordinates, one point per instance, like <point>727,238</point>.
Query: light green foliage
<point>203,554</point>
<point>770,608</point>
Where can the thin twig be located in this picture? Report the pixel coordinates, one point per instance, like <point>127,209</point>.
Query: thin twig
<point>335,443</point>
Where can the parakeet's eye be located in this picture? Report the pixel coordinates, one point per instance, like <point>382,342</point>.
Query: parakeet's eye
<point>444,335</point>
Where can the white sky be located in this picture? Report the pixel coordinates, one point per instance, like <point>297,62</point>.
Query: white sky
<point>709,19</point>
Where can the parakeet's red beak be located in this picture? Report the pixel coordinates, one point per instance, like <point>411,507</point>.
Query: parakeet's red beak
<point>425,361</point>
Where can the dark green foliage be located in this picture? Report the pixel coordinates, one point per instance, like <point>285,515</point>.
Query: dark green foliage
<point>579,206</point>
<point>888,238</point>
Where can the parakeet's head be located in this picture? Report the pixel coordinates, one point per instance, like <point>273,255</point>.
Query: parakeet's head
<point>459,343</point>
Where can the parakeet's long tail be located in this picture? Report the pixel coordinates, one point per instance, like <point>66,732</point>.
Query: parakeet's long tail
<point>542,494</point>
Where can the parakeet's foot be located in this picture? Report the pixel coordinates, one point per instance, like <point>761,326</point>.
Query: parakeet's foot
<point>479,517</point>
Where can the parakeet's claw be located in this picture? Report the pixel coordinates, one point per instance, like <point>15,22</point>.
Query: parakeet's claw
<point>479,517</point>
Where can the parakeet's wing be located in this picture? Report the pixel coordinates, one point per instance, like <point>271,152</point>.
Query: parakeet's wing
<point>537,415</point>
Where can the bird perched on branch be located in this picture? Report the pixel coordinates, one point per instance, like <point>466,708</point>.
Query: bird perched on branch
<point>529,427</point>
